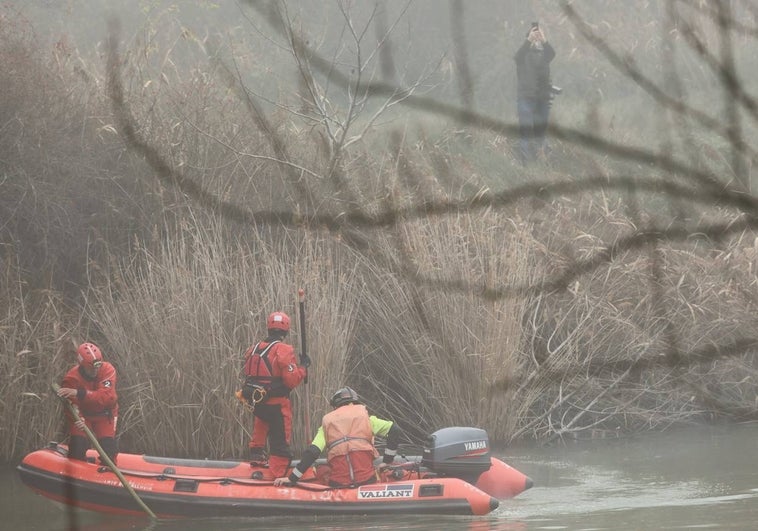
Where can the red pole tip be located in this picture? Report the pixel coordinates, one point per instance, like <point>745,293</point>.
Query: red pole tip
<point>301,293</point>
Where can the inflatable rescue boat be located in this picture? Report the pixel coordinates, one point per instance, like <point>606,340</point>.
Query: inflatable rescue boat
<point>455,475</point>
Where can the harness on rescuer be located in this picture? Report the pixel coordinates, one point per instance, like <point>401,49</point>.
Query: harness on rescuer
<point>257,389</point>
<point>259,395</point>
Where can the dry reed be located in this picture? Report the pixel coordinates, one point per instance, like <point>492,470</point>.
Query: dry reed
<point>175,292</point>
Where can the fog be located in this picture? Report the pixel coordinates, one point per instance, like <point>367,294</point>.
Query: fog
<point>197,159</point>
<point>448,48</point>
<point>432,42</point>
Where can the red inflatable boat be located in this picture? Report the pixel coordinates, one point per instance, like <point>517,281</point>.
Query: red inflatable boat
<point>456,475</point>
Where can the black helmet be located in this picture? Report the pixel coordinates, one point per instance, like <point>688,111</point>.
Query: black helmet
<point>344,396</point>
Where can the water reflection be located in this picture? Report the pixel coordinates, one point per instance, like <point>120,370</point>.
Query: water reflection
<point>701,477</point>
<point>106,523</point>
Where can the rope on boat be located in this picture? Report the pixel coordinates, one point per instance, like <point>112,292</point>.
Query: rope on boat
<point>225,480</point>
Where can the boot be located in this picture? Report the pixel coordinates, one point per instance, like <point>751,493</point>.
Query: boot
<point>77,447</point>
<point>258,457</point>
<point>110,447</point>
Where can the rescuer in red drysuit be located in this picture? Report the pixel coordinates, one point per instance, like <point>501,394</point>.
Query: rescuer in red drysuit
<point>91,387</point>
<point>271,372</point>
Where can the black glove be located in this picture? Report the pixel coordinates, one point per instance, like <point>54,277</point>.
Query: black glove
<point>305,361</point>
<point>247,392</point>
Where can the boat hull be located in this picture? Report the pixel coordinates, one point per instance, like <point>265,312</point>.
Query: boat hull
<point>174,488</point>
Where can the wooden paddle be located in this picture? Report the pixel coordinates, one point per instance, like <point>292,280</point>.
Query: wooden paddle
<point>107,460</point>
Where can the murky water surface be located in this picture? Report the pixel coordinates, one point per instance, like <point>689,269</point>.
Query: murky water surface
<point>694,478</point>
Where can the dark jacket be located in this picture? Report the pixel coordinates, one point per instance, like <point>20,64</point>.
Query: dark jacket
<point>533,71</point>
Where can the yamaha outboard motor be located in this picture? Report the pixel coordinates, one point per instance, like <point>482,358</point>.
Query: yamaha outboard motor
<point>458,452</point>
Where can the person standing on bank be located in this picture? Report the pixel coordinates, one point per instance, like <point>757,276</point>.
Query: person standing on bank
<point>91,387</point>
<point>271,372</point>
<point>347,433</point>
<point>533,92</point>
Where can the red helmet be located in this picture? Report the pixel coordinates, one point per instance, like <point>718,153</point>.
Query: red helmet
<point>278,321</point>
<point>89,355</point>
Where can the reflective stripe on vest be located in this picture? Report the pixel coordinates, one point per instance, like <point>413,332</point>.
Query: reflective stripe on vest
<point>348,429</point>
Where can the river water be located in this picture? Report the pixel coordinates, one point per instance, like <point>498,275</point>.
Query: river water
<point>704,477</point>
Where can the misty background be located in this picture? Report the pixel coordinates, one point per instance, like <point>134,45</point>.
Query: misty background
<point>172,172</point>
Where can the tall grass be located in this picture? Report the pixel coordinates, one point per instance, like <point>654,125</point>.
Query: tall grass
<point>179,314</point>
<point>37,345</point>
<point>70,191</point>
<point>430,357</point>
<point>604,347</point>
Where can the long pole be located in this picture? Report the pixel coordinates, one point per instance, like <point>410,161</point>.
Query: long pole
<point>301,295</point>
<point>107,460</point>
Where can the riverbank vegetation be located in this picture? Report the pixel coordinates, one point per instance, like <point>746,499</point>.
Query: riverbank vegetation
<point>162,197</point>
